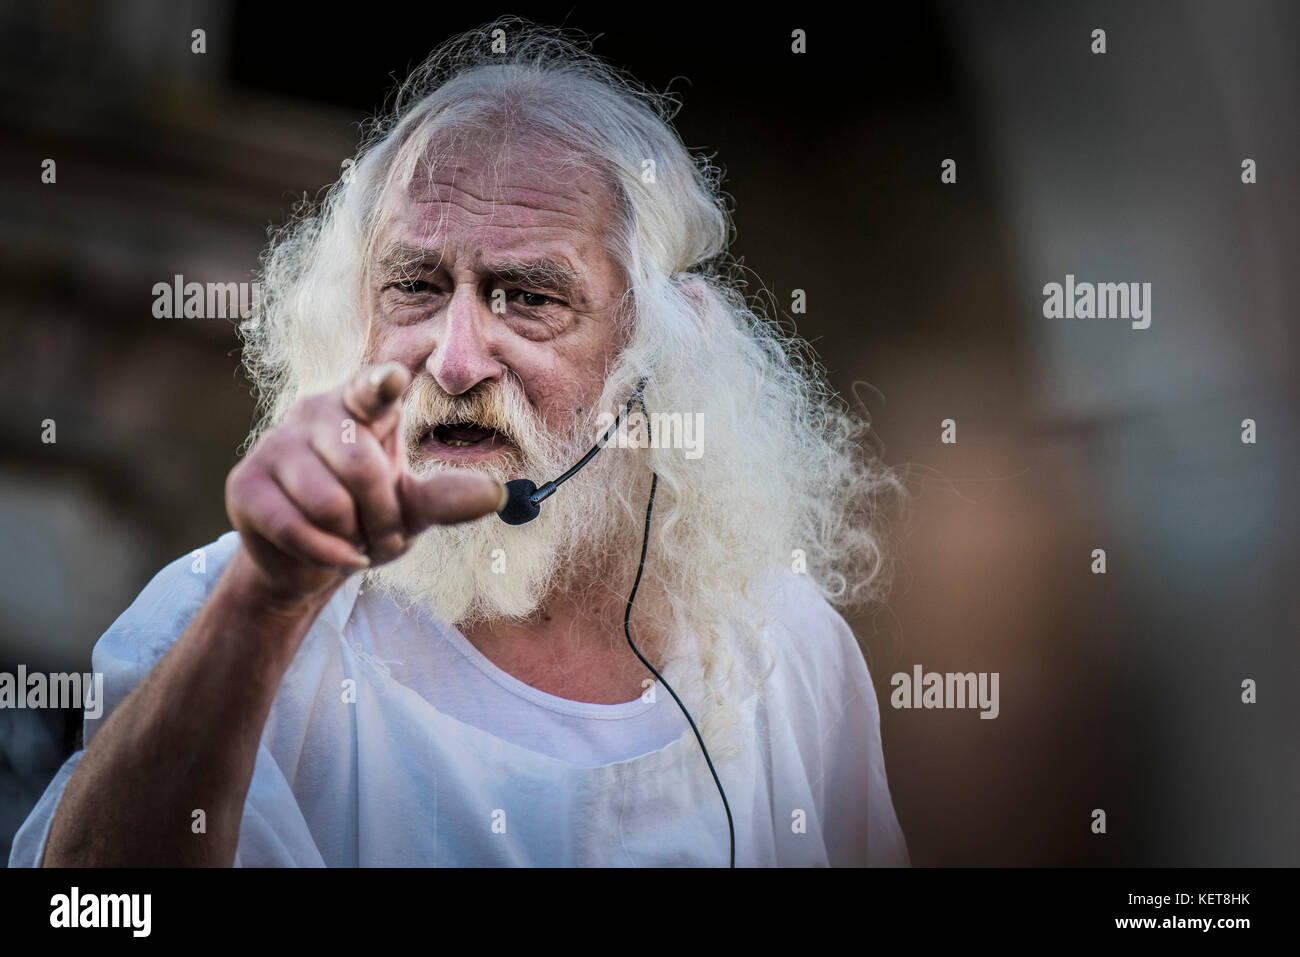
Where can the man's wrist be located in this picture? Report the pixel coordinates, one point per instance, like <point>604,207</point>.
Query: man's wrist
<point>272,607</point>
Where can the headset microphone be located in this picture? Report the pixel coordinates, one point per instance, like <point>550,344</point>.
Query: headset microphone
<point>524,503</point>
<point>520,509</point>
<point>524,499</point>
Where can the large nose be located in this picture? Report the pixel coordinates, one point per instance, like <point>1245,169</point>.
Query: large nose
<point>461,357</point>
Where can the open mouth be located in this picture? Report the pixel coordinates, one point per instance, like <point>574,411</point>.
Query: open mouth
<point>463,440</point>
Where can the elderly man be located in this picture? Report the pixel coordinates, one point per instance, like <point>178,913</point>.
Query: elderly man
<point>374,669</point>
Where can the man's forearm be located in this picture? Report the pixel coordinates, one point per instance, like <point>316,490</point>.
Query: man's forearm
<point>186,738</point>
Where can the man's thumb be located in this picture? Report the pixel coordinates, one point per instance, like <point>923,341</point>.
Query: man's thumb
<point>448,498</point>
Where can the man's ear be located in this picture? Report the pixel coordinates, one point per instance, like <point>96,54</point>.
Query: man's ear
<point>692,287</point>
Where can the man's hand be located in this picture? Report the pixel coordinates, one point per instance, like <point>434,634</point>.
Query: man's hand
<point>327,492</point>
<point>328,483</point>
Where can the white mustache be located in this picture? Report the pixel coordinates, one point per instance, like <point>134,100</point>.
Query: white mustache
<point>501,406</point>
<point>428,406</point>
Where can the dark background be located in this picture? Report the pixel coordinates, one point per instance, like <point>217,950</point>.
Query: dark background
<point>1118,691</point>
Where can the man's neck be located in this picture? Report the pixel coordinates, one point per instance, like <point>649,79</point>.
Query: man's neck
<point>571,650</point>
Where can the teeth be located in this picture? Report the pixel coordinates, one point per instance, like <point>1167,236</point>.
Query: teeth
<point>457,443</point>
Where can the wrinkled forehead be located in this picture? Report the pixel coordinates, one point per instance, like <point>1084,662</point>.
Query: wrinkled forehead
<point>491,181</point>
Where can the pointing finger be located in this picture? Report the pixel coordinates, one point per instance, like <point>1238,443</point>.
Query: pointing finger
<point>448,498</point>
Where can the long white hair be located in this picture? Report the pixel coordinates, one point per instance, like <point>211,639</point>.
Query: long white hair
<point>786,477</point>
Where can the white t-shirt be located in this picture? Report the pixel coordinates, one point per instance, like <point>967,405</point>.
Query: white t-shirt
<point>392,741</point>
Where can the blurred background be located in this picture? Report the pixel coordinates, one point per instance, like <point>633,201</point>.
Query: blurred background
<point>1119,691</point>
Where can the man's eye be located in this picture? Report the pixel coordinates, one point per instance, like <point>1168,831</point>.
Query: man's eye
<point>534,299</point>
<point>410,285</point>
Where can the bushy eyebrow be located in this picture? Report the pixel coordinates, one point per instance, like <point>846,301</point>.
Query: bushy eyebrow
<point>544,273</point>
<point>398,259</point>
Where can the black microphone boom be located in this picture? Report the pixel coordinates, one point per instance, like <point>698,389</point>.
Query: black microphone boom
<point>524,499</point>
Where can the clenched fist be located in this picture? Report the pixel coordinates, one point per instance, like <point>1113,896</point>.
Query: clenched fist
<point>328,492</point>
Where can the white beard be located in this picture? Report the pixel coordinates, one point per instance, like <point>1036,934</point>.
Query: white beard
<point>486,570</point>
